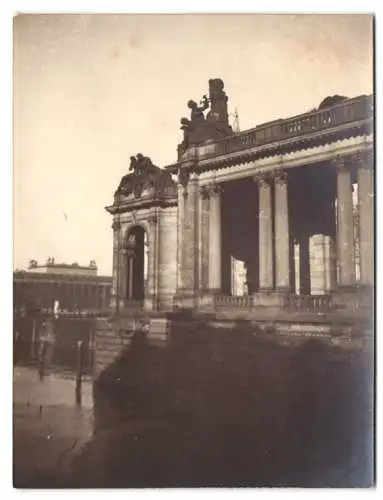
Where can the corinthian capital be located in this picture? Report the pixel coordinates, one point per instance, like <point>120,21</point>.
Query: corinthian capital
<point>280,176</point>
<point>340,162</point>
<point>262,180</point>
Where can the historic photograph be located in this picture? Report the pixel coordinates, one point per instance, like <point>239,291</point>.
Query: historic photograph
<point>193,280</point>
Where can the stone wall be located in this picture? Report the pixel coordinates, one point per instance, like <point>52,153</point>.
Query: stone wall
<point>109,343</point>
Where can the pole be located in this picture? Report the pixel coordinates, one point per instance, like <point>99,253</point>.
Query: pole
<point>33,343</point>
<point>79,371</point>
<point>42,352</point>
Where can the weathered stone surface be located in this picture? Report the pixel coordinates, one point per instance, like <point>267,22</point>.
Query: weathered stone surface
<point>167,258</point>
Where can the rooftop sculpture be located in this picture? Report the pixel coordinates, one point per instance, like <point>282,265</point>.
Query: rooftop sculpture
<point>215,125</point>
<point>142,175</point>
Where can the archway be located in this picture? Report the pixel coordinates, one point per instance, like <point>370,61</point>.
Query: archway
<point>137,263</point>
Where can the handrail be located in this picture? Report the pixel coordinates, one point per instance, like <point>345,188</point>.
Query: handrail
<point>310,303</point>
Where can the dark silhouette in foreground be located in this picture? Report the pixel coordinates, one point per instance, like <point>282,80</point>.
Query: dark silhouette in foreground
<point>223,409</point>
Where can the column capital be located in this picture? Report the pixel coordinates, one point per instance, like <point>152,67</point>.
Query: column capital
<point>204,192</point>
<point>364,159</point>
<point>183,176</point>
<point>215,189</point>
<point>262,180</point>
<point>209,190</point>
<point>153,219</point>
<point>116,225</point>
<point>341,162</point>
<point>280,176</point>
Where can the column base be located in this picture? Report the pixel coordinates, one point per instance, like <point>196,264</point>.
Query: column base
<point>185,299</point>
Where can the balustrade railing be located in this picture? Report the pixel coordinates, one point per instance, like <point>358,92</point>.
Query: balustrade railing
<point>232,302</point>
<point>295,303</point>
<point>308,303</point>
<point>351,110</point>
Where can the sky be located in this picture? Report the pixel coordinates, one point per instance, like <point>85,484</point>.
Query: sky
<point>92,90</point>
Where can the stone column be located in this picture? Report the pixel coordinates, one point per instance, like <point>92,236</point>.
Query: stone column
<point>282,235</point>
<point>189,268</point>
<point>123,276</point>
<point>330,263</point>
<point>304,264</point>
<point>151,299</point>
<point>180,217</point>
<point>104,305</point>
<point>366,219</point>
<point>203,237</point>
<point>215,238</point>
<point>345,226</point>
<point>116,226</point>
<point>129,282</point>
<point>266,278</point>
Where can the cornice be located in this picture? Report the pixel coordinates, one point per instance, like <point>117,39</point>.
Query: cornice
<point>292,144</point>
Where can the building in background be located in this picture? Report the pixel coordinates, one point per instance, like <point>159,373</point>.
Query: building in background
<point>72,287</point>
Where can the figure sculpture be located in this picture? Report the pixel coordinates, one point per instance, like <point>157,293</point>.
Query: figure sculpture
<point>141,165</point>
<point>215,125</point>
<point>143,174</point>
<point>197,112</point>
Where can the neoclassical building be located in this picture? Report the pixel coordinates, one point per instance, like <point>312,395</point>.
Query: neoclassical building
<point>272,226</point>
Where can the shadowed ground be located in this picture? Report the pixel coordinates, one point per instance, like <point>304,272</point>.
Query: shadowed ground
<point>241,411</point>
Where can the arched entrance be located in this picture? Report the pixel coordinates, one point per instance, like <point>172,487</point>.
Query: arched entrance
<point>137,263</point>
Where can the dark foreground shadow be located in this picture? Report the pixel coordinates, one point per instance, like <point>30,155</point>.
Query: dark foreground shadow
<point>230,412</point>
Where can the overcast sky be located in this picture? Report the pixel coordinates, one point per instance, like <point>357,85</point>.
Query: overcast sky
<point>92,90</point>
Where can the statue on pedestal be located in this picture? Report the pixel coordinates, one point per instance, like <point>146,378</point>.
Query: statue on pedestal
<point>216,124</point>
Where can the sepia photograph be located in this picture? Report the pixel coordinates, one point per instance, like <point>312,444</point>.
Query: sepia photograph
<point>193,251</point>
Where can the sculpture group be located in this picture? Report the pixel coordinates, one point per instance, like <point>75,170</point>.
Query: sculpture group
<point>198,129</point>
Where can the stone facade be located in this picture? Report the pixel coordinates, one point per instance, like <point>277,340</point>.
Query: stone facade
<point>278,199</point>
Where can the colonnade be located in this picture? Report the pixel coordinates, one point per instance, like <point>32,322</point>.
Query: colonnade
<point>275,235</point>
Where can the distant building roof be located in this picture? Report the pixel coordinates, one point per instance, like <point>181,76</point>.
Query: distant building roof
<point>52,267</point>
